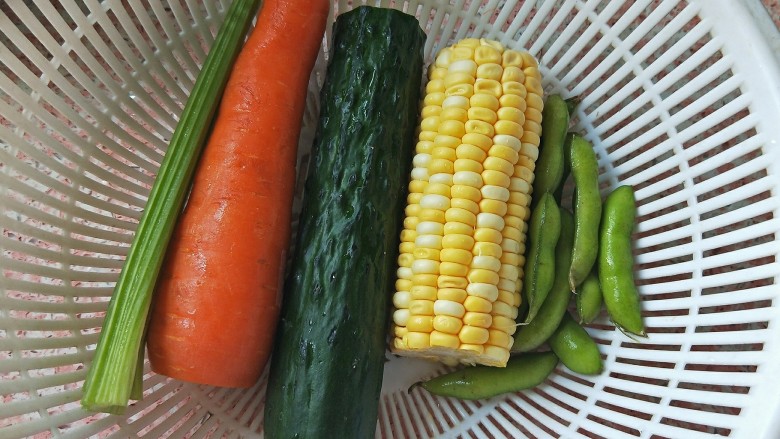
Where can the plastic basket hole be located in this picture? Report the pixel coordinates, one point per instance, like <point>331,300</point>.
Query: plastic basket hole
<point>614,425</point>
<point>719,388</point>
<point>660,383</point>
<point>568,391</point>
<point>652,346</point>
<point>738,368</point>
<point>645,363</point>
<point>660,212</point>
<point>741,306</point>
<point>750,326</point>
<point>649,165</point>
<point>624,410</point>
<point>693,426</point>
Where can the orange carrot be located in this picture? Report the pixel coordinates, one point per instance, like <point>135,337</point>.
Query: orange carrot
<point>217,302</point>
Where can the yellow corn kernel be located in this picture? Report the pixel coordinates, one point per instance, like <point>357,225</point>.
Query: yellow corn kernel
<point>464,242</point>
<point>425,280</point>
<point>529,149</point>
<point>457,255</point>
<point>486,262</point>
<point>505,284</point>
<point>506,296</point>
<point>459,215</point>
<point>483,114</point>
<point>467,178</point>
<point>487,249</point>
<point>490,71</point>
<point>505,324</point>
<point>453,268</point>
<point>399,331</point>
<point>401,316</point>
<point>480,276</point>
<point>431,111</point>
<point>403,285</point>
<point>479,140</point>
<point>447,324</point>
<point>486,291</point>
<point>511,258</point>
<point>498,354</point>
<point>485,100</point>
<point>511,73</point>
<point>456,101</point>
<point>473,335</point>
<point>533,114</point>
<point>490,87</point>
<point>504,309</point>
<point>494,207</point>
<point>452,127</point>
<point>509,128</point>
<point>423,147</point>
<point>498,164</point>
<point>463,66</point>
<point>468,165</point>
<point>458,228</point>
<point>420,324</point>
<point>478,319</point>
<point>533,127</point>
<point>431,215</point>
<point>411,223</point>
<point>423,292</point>
<point>465,90</point>
<point>462,51</point>
<point>402,299</point>
<point>448,308</point>
<point>477,304</point>
<point>457,282</point>
<point>493,221</point>
<point>519,211</point>
<point>438,338</point>
<point>405,260</point>
<point>452,294</point>
<point>457,78</point>
<point>423,308</point>
<point>512,233</point>
<point>435,99</point>
<point>512,58</point>
<point>512,101</point>
<point>412,210</point>
<point>512,143</point>
<point>498,338</point>
<point>528,60</point>
<point>466,204</point>
<point>488,235</point>
<point>417,340</point>
<point>495,178</point>
<point>470,152</point>
<point>476,348</point>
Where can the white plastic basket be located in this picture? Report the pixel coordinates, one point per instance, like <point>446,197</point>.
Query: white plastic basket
<point>681,99</point>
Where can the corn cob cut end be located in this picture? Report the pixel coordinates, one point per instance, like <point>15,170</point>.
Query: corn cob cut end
<point>463,242</point>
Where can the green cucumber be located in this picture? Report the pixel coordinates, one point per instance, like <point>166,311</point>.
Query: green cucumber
<point>326,370</point>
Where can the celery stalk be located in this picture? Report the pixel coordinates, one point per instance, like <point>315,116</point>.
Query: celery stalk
<point>114,376</point>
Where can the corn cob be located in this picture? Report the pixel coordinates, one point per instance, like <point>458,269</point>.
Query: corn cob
<point>461,252</point>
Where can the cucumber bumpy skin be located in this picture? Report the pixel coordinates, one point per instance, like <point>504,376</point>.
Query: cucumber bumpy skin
<point>326,371</point>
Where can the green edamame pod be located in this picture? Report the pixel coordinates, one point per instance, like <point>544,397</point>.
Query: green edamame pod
<point>543,233</point>
<point>616,261</point>
<point>576,350</point>
<point>566,167</point>
<point>587,209</point>
<point>479,382</point>
<point>549,165</point>
<point>532,335</point>
<point>589,298</point>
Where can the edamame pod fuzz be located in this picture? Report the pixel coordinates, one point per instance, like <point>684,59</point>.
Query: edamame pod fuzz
<point>543,233</point>
<point>587,209</point>
<point>479,382</point>
<point>532,335</point>
<point>616,261</point>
